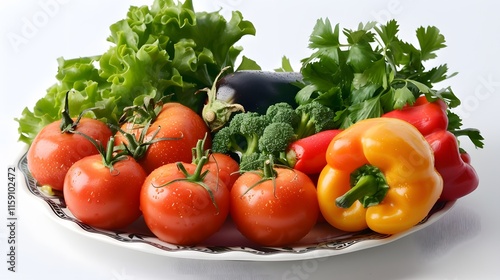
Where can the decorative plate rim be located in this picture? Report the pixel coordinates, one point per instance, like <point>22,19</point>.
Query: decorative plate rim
<point>340,243</point>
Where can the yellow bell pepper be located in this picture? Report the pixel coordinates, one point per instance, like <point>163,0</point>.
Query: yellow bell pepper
<point>380,175</point>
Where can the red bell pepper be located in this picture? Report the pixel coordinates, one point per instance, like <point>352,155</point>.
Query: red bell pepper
<point>459,177</point>
<point>309,154</point>
<point>426,116</point>
<point>430,118</point>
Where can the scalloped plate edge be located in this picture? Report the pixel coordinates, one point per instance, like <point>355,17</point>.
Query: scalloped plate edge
<point>157,247</point>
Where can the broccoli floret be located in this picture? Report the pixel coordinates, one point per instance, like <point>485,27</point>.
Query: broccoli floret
<point>314,117</point>
<point>275,140</point>
<point>252,162</point>
<point>255,137</point>
<point>241,135</point>
<point>282,112</point>
<point>276,137</point>
<point>235,123</point>
<point>252,127</point>
<point>222,141</point>
<point>306,119</point>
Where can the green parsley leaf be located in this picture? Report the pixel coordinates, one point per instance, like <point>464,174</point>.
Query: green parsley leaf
<point>430,40</point>
<point>286,66</point>
<point>371,71</point>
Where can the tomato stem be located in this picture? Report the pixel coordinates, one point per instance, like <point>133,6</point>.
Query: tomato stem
<point>199,151</point>
<point>196,178</point>
<point>200,158</point>
<point>268,170</point>
<point>137,147</point>
<point>109,157</point>
<point>67,123</point>
<point>147,112</point>
<point>197,175</point>
<point>109,152</point>
<point>268,173</point>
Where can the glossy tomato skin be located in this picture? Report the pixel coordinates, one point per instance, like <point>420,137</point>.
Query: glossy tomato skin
<point>104,198</point>
<point>52,153</point>
<point>225,167</point>
<point>174,121</point>
<point>182,213</point>
<point>277,218</point>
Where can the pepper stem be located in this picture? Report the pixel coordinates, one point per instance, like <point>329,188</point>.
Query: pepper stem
<point>369,186</point>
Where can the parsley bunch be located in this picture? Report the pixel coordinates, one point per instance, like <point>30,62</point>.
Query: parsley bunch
<point>374,72</point>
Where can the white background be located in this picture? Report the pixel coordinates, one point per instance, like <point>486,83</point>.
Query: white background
<point>464,244</point>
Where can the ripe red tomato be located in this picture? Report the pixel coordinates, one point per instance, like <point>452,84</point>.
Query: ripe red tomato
<point>52,153</point>
<point>183,212</point>
<point>174,121</point>
<point>225,167</point>
<point>274,215</point>
<point>103,197</point>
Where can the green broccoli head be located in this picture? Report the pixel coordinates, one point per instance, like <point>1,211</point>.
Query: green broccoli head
<point>252,161</point>
<point>251,128</point>
<point>235,123</point>
<point>282,112</point>
<point>252,124</point>
<point>241,135</point>
<point>276,138</point>
<point>314,117</point>
<point>255,137</point>
<point>222,141</point>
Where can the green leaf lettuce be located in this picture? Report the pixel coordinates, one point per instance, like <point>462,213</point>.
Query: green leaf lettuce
<point>166,50</point>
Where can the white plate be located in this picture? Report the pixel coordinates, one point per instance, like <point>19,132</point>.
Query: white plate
<point>228,243</point>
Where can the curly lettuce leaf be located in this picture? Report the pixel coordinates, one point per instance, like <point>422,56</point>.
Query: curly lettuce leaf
<point>166,50</point>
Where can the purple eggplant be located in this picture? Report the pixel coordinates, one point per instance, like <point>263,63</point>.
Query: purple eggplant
<point>250,91</point>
